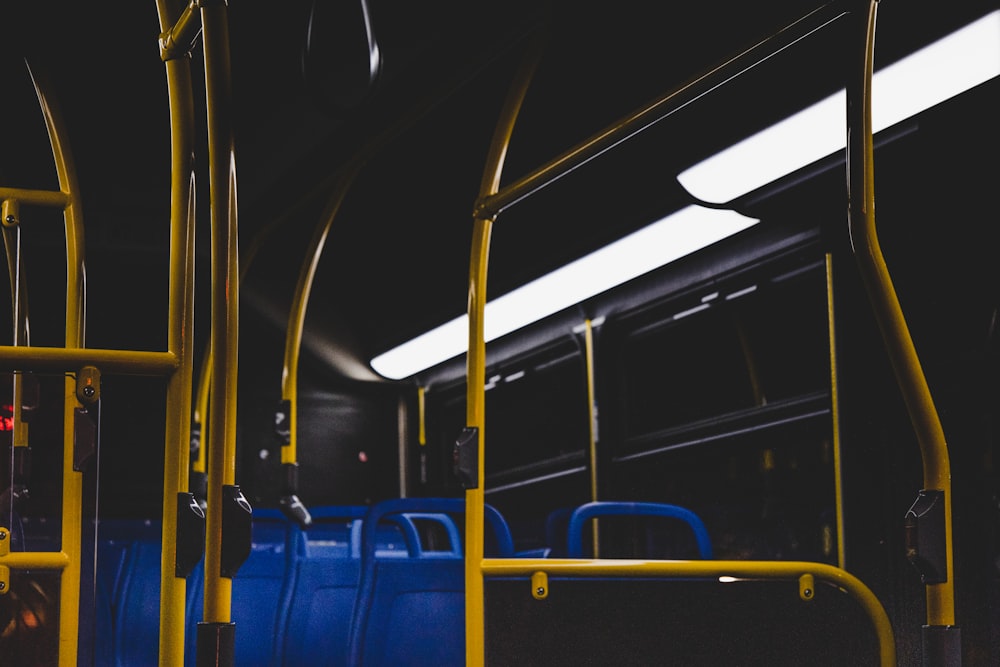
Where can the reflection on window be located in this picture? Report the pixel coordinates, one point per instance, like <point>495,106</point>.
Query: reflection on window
<point>737,348</point>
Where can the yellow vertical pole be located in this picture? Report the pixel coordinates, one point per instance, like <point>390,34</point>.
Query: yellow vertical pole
<point>180,329</point>
<point>838,477</point>
<point>475,418</point>
<point>225,303</point>
<point>896,335</point>
<point>475,644</point>
<point>588,339</point>
<point>422,431</point>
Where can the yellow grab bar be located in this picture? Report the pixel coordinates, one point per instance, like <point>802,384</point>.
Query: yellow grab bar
<point>476,361</point>
<point>708,568</point>
<point>889,314</point>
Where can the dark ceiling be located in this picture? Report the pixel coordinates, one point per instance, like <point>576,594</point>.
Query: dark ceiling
<point>396,260</point>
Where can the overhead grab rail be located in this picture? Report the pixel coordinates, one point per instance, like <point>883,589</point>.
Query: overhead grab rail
<point>929,520</point>
<point>490,204</point>
<point>470,450</point>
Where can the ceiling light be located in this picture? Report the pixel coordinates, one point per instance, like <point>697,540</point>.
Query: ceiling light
<point>651,247</point>
<point>935,73</point>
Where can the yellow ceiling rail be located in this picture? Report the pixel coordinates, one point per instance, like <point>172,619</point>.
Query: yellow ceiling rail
<point>491,204</point>
<point>895,333</point>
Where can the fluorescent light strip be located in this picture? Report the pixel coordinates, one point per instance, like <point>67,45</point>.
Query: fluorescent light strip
<point>651,247</point>
<point>946,68</point>
<point>935,73</point>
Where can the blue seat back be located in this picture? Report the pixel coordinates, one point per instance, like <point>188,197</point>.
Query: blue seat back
<point>574,532</point>
<point>137,609</point>
<point>261,590</point>
<point>412,610</point>
<point>324,588</point>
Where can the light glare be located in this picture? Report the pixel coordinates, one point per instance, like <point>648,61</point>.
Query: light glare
<point>651,247</point>
<point>935,73</point>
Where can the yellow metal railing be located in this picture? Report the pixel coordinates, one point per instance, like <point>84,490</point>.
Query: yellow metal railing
<point>771,570</point>
<point>838,473</point>
<point>898,343</point>
<point>296,327</point>
<point>21,357</point>
<point>221,441</point>
<point>178,33</point>
<point>491,202</point>
<point>180,30</point>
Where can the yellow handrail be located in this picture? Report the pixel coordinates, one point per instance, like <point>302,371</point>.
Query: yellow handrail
<point>68,360</point>
<point>69,586</point>
<point>491,202</point>
<point>895,333</point>
<point>588,348</point>
<point>297,318</point>
<point>225,303</point>
<point>476,361</point>
<point>180,323</point>
<point>838,473</point>
<point>508,567</point>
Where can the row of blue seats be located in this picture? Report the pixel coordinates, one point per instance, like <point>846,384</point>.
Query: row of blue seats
<point>356,587</point>
<point>361,586</point>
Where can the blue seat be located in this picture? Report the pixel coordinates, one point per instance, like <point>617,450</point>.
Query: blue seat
<point>574,532</point>
<point>261,590</point>
<point>412,610</point>
<point>137,605</point>
<point>324,588</point>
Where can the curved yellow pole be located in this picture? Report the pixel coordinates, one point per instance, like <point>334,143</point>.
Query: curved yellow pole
<point>74,355</point>
<point>293,345</point>
<point>225,303</point>
<point>72,515</point>
<point>345,173</point>
<point>898,343</point>
<point>180,328</point>
<point>300,302</point>
<point>476,360</point>
<point>200,412</point>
